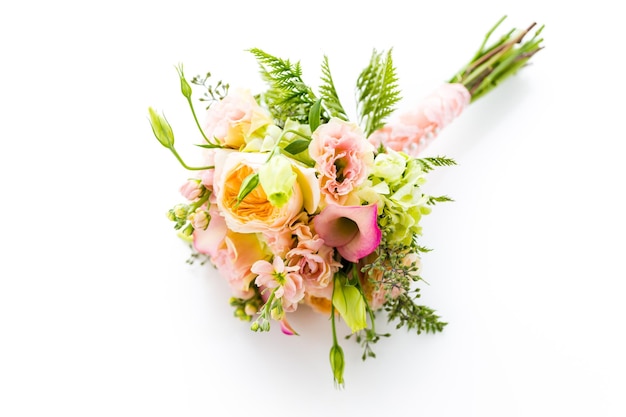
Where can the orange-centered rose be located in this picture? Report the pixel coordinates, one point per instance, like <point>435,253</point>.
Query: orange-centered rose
<point>255,213</point>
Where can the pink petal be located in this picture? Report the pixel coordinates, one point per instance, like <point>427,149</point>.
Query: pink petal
<point>352,230</point>
<point>208,241</point>
<point>286,328</point>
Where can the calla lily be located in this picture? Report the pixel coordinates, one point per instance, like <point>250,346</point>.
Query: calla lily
<point>352,230</point>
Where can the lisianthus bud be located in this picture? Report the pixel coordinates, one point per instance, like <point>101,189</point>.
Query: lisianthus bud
<point>185,88</point>
<point>161,128</point>
<point>277,179</point>
<point>337,363</point>
<point>349,301</point>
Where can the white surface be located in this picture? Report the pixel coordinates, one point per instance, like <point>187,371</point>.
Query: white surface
<point>100,315</point>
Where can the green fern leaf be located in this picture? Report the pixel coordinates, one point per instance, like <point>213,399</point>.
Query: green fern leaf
<point>329,93</point>
<point>378,92</point>
<point>287,97</point>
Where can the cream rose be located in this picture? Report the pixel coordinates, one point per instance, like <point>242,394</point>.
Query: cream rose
<point>255,213</point>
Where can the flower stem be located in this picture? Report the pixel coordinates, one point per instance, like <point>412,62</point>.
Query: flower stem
<point>187,166</point>
<point>491,65</point>
<point>195,118</point>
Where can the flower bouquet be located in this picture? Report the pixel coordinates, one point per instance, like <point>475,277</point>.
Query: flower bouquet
<point>300,204</point>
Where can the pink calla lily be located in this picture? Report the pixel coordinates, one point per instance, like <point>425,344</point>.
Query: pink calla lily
<point>352,230</point>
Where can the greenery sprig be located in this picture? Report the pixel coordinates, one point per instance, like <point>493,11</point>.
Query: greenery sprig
<point>288,96</point>
<point>378,92</point>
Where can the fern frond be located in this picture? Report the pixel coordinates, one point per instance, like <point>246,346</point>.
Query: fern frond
<point>329,93</point>
<point>378,92</point>
<point>432,200</point>
<point>428,164</point>
<point>287,97</point>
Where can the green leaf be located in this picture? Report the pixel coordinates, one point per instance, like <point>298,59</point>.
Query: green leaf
<point>247,185</point>
<point>428,164</point>
<point>297,146</point>
<point>438,199</point>
<point>329,93</point>
<point>209,146</point>
<point>314,115</point>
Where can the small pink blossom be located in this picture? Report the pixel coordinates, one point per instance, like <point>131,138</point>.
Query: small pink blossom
<point>414,130</point>
<point>342,156</point>
<point>191,190</point>
<point>200,219</point>
<point>285,279</point>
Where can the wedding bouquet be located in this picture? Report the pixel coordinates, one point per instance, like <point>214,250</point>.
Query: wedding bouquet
<point>300,204</point>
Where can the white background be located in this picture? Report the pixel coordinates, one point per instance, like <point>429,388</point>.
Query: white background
<point>100,315</point>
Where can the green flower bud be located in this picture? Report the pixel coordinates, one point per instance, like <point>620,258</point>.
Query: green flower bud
<point>185,88</point>
<point>161,128</point>
<point>277,179</point>
<point>337,363</point>
<point>251,308</point>
<point>180,211</point>
<point>349,302</point>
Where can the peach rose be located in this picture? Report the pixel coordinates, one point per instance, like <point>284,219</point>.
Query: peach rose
<point>255,213</point>
<point>235,119</point>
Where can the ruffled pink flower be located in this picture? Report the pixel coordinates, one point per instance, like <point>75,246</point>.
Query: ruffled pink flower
<point>279,241</point>
<point>285,279</point>
<point>352,230</point>
<point>317,265</point>
<point>342,157</point>
<point>414,130</point>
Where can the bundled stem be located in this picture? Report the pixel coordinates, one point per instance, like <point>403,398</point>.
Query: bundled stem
<point>491,65</point>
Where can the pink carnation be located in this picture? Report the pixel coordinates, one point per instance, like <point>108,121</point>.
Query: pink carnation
<point>342,156</point>
<point>317,265</point>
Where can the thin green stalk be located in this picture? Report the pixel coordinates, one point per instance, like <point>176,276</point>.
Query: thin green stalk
<point>187,166</point>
